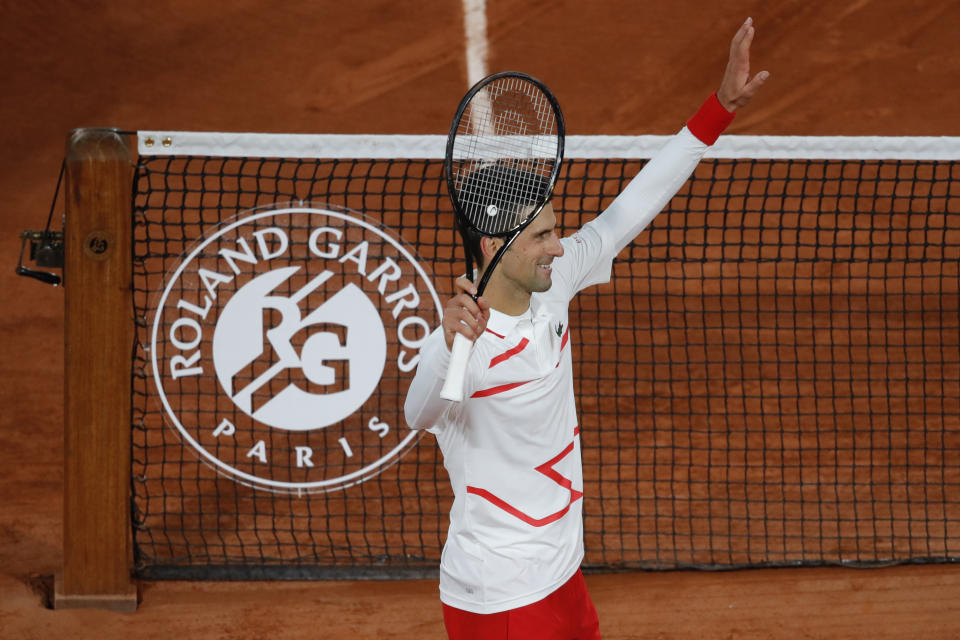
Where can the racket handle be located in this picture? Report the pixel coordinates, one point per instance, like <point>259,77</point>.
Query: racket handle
<point>457,369</point>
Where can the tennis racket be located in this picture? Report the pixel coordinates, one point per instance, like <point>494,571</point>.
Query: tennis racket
<point>503,156</point>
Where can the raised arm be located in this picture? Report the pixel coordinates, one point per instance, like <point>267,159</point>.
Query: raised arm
<point>662,177</point>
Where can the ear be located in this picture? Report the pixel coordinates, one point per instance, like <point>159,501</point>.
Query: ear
<point>489,247</point>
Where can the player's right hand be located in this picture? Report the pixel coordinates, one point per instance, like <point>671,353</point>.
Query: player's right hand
<point>463,314</point>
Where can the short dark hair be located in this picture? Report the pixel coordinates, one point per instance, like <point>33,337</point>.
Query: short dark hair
<point>507,188</point>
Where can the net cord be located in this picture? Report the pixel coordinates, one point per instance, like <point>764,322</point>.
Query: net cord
<point>334,146</point>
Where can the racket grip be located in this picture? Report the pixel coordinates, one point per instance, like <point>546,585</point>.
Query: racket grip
<point>457,369</point>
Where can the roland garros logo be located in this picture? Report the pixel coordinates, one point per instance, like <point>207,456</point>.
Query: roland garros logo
<point>283,345</point>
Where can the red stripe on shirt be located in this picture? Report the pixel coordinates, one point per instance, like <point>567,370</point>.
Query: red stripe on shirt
<point>534,522</point>
<point>496,334</point>
<point>506,355</point>
<point>563,343</point>
<point>546,469</point>
<point>492,391</point>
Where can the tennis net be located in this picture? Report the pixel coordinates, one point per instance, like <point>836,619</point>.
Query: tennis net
<point>771,378</point>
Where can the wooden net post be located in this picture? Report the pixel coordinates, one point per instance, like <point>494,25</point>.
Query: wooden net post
<point>99,336</point>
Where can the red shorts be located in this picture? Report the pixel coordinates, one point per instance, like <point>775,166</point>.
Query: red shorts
<point>565,614</point>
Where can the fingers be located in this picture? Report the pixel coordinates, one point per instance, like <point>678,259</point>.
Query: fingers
<point>742,39</point>
<point>739,61</point>
<point>465,315</point>
<point>737,88</point>
<point>471,326</point>
<point>464,285</point>
<point>746,93</point>
<point>753,86</point>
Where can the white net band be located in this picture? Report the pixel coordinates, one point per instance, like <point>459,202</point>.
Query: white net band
<point>166,143</point>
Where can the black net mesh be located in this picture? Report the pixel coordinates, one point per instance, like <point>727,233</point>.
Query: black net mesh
<point>771,378</point>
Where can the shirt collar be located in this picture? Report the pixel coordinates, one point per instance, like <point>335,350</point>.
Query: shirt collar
<point>501,324</point>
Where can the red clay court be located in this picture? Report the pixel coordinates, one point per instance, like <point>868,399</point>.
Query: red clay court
<point>863,68</point>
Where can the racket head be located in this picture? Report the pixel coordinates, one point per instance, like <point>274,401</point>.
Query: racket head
<point>504,153</point>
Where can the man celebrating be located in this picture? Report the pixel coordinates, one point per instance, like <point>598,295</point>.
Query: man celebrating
<point>511,564</point>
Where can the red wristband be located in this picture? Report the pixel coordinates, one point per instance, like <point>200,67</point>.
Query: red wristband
<point>710,120</point>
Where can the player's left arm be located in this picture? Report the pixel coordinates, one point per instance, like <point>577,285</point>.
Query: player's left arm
<point>662,177</point>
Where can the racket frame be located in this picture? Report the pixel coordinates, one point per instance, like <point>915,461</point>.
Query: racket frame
<point>463,222</point>
<point>453,387</point>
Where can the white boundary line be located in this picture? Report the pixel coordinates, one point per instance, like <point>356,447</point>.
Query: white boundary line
<point>266,145</point>
<point>477,47</point>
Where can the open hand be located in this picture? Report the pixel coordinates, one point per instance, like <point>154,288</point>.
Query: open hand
<point>737,88</point>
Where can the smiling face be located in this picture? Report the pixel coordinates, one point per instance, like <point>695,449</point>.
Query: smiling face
<point>526,266</point>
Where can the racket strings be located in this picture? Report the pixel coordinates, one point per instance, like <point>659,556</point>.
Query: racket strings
<point>504,153</point>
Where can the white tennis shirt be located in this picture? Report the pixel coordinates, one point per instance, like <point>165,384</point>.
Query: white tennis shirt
<point>512,447</point>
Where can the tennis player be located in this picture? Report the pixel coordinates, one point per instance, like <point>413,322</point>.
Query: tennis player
<point>510,567</point>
